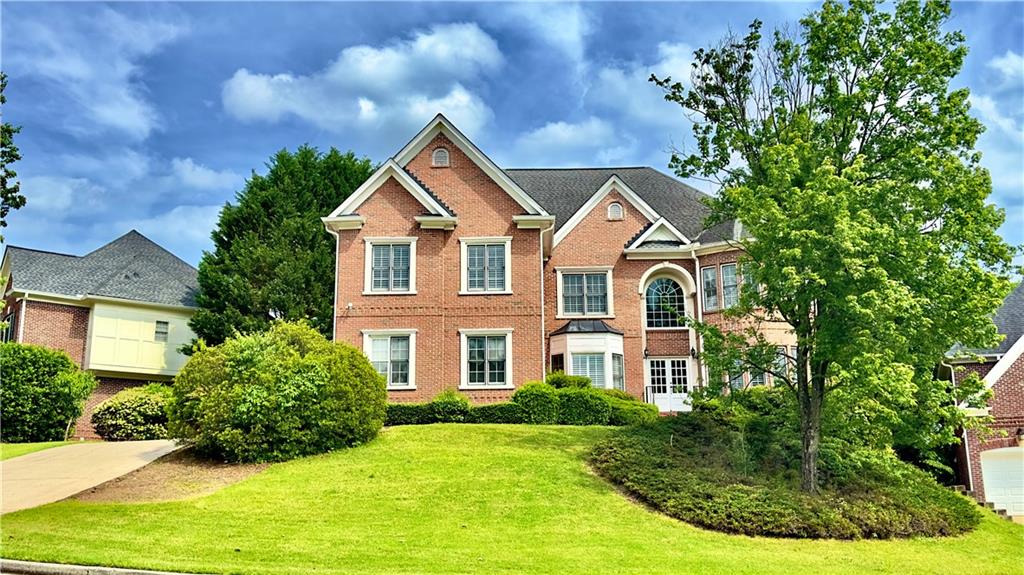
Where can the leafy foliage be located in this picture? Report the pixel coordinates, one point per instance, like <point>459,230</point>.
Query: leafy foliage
<point>272,258</point>
<point>449,406</point>
<point>276,395</point>
<point>503,412</point>
<point>629,411</point>
<point>582,406</point>
<point>846,154</point>
<point>560,380</point>
<point>539,402</point>
<point>11,197</point>
<point>134,414</point>
<point>707,469</point>
<point>42,393</point>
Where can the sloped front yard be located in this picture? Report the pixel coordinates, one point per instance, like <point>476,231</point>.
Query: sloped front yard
<point>456,499</point>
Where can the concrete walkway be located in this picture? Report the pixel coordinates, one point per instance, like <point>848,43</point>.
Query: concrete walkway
<point>54,474</point>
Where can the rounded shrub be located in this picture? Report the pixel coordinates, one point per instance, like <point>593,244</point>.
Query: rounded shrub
<point>582,406</point>
<point>275,395</point>
<point>629,412</point>
<point>539,402</point>
<point>134,414</point>
<point>505,412</point>
<point>619,394</point>
<point>42,393</point>
<point>561,380</point>
<point>449,406</point>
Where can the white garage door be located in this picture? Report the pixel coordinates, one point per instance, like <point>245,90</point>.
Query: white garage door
<point>1002,471</point>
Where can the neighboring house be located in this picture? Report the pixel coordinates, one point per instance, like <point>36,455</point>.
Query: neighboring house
<point>455,273</point>
<point>120,311</point>
<point>992,464</point>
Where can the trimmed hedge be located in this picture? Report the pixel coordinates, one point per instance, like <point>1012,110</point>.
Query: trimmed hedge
<point>42,393</point>
<point>506,412</point>
<point>539,402</point>
<point>560,380</point>
<point>630,412</point>
<point>700,468</point>
<point>275,395</point>
<point>582,406</point>
<point>449,406</point>
<point>134,414</point>
<point>408,414</point>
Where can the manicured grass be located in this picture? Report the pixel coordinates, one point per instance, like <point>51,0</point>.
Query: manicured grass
<point>9,450</point>
<point>457,499</point>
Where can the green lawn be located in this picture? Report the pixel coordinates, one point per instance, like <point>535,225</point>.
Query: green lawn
<point>457,499</point>
<point>9,450</point>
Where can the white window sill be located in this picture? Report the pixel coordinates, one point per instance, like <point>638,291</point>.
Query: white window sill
<point>667,328</point>
<point>402,388</point>
<point>503,292</point>
<point>485,387</point>
<point>389,292</point>
<point>563,316</point>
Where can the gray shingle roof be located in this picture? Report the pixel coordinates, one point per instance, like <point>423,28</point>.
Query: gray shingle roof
<point>131,267</point>
<point>563,191</point>
<point>1009,320</point>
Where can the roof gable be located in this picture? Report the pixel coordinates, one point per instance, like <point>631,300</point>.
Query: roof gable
<point>441,125</point>
<point>391,169</point>
<point>660,232</point>
<point>613,183</point>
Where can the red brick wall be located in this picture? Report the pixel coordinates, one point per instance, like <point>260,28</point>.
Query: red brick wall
<point>57,326</point>
<point>1007,411</point>
<point>437,311</point>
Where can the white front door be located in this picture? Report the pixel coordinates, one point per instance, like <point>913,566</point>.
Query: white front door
<point>668,383</point>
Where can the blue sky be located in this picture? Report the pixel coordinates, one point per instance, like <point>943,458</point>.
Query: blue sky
<point>151,116</point>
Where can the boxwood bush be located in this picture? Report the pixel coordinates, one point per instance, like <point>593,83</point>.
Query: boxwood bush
<point>582,406</point>
<point>275,395</point>
<point>560,380</point>
<point>505,412</point>
<point>409,414</point>
<point>539,402</point>
<point>624,412</point>
<point>134,414</point>
<point>42,393</point>
<point>699,468</point>
<point>449,406</point>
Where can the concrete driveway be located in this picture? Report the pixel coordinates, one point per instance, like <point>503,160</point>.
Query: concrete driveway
<point>54,474</point>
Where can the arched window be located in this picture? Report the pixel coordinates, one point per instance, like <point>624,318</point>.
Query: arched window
<point>615,211</point>
<point>440,158</point>
<point>665,303</point>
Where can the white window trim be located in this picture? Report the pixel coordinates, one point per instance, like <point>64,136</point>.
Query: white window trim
<point>622,212</point>
<point>585,270</point>
<point>718,289</point>
<point>686,304</point>
<point>369,334</point>
<point>433,158</point>
<point>368,265</point>
<point>721,279</point>
<point>464,261</point>
<point>464,334</point>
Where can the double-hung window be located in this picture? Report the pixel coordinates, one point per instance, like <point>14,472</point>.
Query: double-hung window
<point>393,354</point>
<point>590,365</point>
<point>736,377</point>
<point>485,266</point>
<point>618,372</point>
<point>8,333</point>
<point>709,279</point>
<point>585,293</point>
<point>160,331</point>
<point>486,358</point>
<point>390,266</point>
<point>730,286</point>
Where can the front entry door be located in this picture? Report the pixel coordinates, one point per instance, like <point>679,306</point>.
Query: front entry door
<point>668,384</point>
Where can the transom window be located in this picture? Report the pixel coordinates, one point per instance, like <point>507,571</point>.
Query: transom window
<point>486,360</point>
<point>666,302</point>
<point>709,279</point>
<point>485,265</point>
<point>590,365</point>
<point>160,331</point>
<point>615,211</point>
<point>391,356</point>
<point>730,286</point>
<point>390,266</point>
<point>585,293</point>
<point>439,159</point>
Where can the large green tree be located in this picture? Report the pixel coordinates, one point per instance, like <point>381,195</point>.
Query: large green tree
<point>10,188</point>
<point>272,258</point>
<point>850,161</point>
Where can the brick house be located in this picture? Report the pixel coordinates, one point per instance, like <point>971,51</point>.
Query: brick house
<point>120,311</point>
<point>992,464</point>
<point>453,273</point>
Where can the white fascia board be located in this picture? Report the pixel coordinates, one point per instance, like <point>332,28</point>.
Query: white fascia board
<point>613,183</point>
<point>661,223</point>
<point>437,222</point>
<point>339,223</point>
<point>388,170</point>
<point>533,222</point>
<point>441,124</point>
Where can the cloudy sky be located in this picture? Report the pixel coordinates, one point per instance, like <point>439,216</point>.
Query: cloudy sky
<point>151,116</point>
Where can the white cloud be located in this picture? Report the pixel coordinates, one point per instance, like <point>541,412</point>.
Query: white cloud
<point>590,142</point>
<point>92,59</point>
<point>201,177</point>
<point>400,85</point>
<point>184,230</point>
<point>564,26</point>
<point>52,196</point>
<point>1010,65</point>
<point>989,113</point>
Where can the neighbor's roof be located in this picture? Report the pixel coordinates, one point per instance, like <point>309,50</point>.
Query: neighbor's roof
<point>586,326</point>
<point>1009,320</point>
<point>563,191</point>
<point>131,267</point>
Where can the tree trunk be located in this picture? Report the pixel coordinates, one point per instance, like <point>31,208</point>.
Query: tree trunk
<point>811,393</point>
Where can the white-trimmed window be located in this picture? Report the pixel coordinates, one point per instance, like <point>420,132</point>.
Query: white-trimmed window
<point>161,330</point>
<point>390,266</point>
<point>585,293</point>
<point>486,358</point>
<point>736,377</point>
<point>440,158</point>
<point>486,265</point>
<point>756,378</point>
<point>615,211</point>
<point>590,365</point>
<point>393,354</point>
<point>618,372</point>
<point>730,286</point>
<point>709,280</point>
<point>8,333</point>
<point>665,303</point>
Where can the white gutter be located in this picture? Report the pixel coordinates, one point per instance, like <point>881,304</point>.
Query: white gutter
<point>21,319</point>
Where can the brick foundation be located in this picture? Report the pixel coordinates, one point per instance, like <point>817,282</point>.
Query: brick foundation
<point>106,389</point>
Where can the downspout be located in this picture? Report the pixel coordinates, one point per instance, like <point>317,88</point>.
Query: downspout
<point>21,319</point>
<point>334,306</point>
